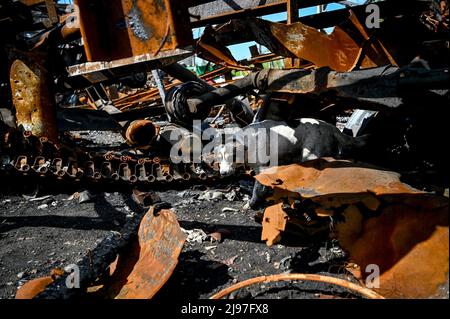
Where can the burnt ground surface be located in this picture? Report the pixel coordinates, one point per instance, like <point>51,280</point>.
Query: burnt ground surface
<point>38,236</point>
<point>55,231</point>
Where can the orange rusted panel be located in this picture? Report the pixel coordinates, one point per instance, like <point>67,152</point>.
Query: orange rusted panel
<point>337,50</point>
<point>274,222</point>
<point>219,54</point>
<point>327,177</point>
<point>117,29</point>
<point>145,268</point>
<point>409,244</point>
<point>34,287</point>
<point>406,237</point>
<point>33,101</point>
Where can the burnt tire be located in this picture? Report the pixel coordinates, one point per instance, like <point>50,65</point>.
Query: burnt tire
<point>176,103</point>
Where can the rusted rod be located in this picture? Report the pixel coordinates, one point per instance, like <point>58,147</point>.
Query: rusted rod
<point>370,294</point>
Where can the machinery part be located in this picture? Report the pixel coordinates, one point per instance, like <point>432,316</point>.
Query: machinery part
<point>243,114</point>
<point>95,72</point>
<point>380,88</point>
<point>124,36</point>
<point>141,133</point>
<point>211,12</point>
<point>363,291</point>
<point>177,107</point>
<point>337,50</point>
<point>66,30</point>
<point>351,45</point>
<point>251,8</point>
<point>145,27</point>
<point>377,219</point>
<point>32,96</point>
<point>115,170</point>
<point>187,143</point>
<point>209,50</point>
<point>98,95</point>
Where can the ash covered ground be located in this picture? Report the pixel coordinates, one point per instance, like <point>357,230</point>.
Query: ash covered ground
<point>51,229</point>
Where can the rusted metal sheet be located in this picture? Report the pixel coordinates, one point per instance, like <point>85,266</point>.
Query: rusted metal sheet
<point>382,221</point>
<point>118,29</point>
<point>409,244</point>
<point>274,223</point>
<point>327,176</point>
<point>338,50</point>
<point>34,287</point>
<point>217,53</point>
<point>141,270</point>
<point>32,96</point>
<point>379,46</point>
<point>149,263</point>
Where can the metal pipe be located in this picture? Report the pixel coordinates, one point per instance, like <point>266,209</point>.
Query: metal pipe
<point>220,95</point>
<point>141,132</point>
<point>162,91</point>
<point>141,172</point>
<point>236,106</point>
<point>106,170</point>
<point>376,88</point>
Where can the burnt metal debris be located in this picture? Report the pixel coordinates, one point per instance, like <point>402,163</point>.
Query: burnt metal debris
<point>118,68</point>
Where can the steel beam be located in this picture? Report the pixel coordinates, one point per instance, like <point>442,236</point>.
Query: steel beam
<point>377,89</point>
<point>333,18</point>
<point>221,11</point>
